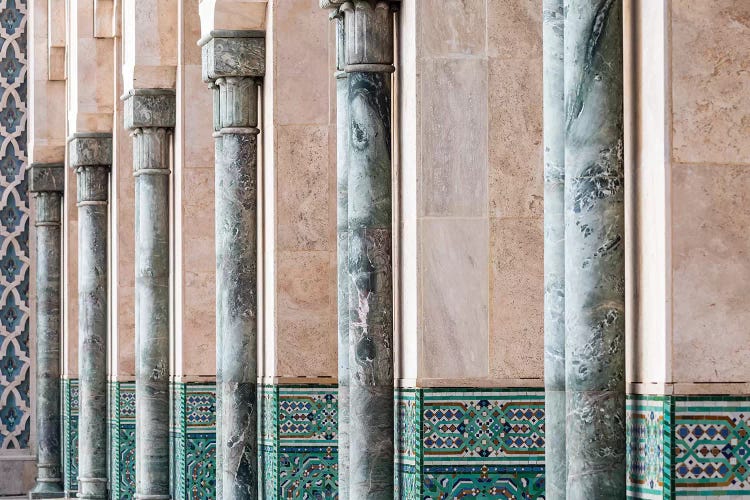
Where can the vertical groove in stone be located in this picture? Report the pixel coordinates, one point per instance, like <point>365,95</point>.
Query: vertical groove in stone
<point>594,250</point>
<point>236,277</point>
<point>151,164</point>
<point>554,250</point>
<point>342,259</point>
<point>47,182</point>
<point>91,156</point>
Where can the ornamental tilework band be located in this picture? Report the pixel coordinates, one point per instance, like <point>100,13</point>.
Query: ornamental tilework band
<point>470,443</point>
<point>70,435</point>
<point>298,442</point>
<point>194,441</point>
<point>688,446</point>
<point>122,440</point>
<point>15,406</point>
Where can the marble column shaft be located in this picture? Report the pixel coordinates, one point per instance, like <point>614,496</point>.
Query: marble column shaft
<point>47,181</point>
<point>554,250</point>
<point>594,249</point>
<point>91,157</point>
<point>150,115</point>
<point>234,62</point>
<point>369,64</point>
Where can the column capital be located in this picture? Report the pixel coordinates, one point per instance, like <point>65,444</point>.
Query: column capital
<point>46,177</point>
<point>368,36</point>
<point>150,108</point>
<point>233,53</point>
<point>90,149</point>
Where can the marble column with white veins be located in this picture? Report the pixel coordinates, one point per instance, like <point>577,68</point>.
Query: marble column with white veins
<point>234,63</point>
<point>47,181</point>
<point>369,56</point>
<point>90,154</point>
<point>554,251</point>
<point>342,245</point>
<point>150,115</point>
<point>594,249</point>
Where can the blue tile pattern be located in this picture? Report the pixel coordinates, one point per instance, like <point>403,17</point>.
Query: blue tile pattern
<point>298,442</point>
<point>15,373</point>
<point>194,441</point>
<point>70,434</point>
<point>122,440</point>
<point>458,443</point>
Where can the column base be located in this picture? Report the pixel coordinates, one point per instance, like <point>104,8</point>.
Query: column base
<point>46,494</point>
<point>50,488</point>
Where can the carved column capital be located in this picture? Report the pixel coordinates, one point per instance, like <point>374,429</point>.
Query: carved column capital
<point>91,157</point>
<point>150,108</point>
<point>233,53</point>
<point>46,177</point>
<point>368,36</point>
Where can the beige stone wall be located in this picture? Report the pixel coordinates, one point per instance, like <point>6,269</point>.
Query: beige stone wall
<point>691,175</point>
<point>299,131</point>
<point>471,180</point>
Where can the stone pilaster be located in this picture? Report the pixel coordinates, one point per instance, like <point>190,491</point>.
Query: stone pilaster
<point>554,250</point>
<point>594,249</point>
<point>368,61</point>
<point>91,157</point>
<point>234,63</point>
<point>150,114</point>
<point>47,181</point>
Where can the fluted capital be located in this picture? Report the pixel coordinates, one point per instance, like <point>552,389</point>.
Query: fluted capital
<point>331,4</point>
<point>46,177</point>
<point>233,53</point>
<point>150,108</point>
<point>90,149</point>
<point>368,36</point>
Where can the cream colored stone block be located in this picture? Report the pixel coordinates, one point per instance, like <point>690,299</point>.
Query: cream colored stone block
<point>125,330</point>
<point>710,83</point>
<point>198,219</point>
<point>514,28</point>
<point>711,273</point>
<point>454,298</point>
<point>306,314</point>
<point>517,298</point>
<point>516,150</point>
<point>196,102</point>
<point>453,175</point>
<point>198,324</point>
<point>303,196</point>
<point>232,15</point>
<point>452,27</point>
<point>191,34</point>
<point>149,43</point>
<point>56,19</point>
<point>302,76</point>
<point>56,63</point>
<point>104,18</point>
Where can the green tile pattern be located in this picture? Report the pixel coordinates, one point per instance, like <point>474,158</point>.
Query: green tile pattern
<point>122,440</point>
<point>70,435</point>
<point>480,443</point>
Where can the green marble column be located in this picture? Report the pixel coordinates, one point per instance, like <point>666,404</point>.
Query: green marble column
<point>342,245</point>
<point>369,64</point>
<point>150,115</point>
<point>235,62</point>
<point>594,249</point>
<point>47,181</point>
<point>91,157</point>
<point>554,251</point>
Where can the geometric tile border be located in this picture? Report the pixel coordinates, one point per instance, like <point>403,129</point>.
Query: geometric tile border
<point>457,443</point>
<point>15,356</point>
<point>122,440</point>
<point>688,446</point>
<point>70,435</point>
<point>193,433</point>
<point>297,441</point>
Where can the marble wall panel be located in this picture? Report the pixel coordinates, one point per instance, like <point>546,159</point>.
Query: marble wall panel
<point>454,298</point>
<point>514,29</point>
<point>710,63</point>
<point>517,299</point>
<point>454,152</point>
<point>453,27</point>
<point>711,273</point>
<point>516,187</point>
